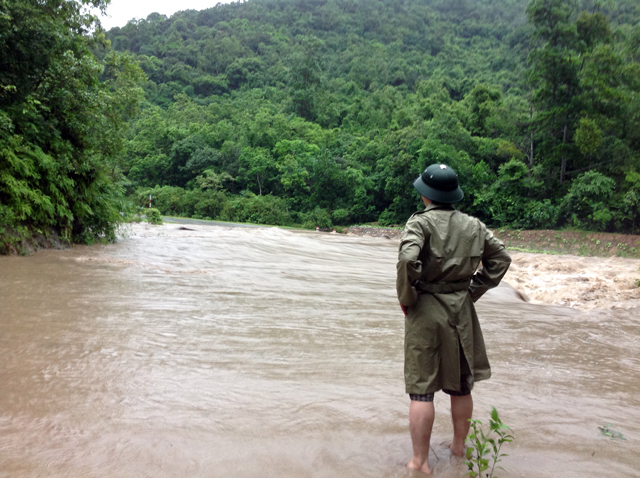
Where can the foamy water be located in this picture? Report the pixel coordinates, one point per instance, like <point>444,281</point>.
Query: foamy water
<point>578,282</point>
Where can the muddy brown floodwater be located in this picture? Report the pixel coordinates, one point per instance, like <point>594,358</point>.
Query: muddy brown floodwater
<point>247,352</point>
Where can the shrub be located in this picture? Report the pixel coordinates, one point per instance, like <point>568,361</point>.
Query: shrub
<point>153,216</point>
<point>341,216</point>
<point>207,203</point>
<point>588,204</point>
<point>318,217</point>
<point>387,218</point>
<point>256,209</point>
<point>537,215</point>
<point>169,200</point>
<point>175,201</point>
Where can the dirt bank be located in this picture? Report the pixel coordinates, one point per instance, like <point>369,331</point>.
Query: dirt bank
<point>385,232</point>
<point>581,243</point>
<point>27,240</point>
<point>600,244</point>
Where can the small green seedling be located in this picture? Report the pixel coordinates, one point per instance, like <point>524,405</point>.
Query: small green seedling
<point>607,431</point>
<point>483,453</point>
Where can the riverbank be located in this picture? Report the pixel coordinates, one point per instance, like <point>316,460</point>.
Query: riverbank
<point>25,240</point>
<point>580,243</point>
<point>384,232</point>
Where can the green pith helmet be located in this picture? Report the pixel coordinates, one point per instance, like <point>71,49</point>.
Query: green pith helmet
<point>439,183</point>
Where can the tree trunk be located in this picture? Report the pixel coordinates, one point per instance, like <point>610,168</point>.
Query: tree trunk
<point>530,153</point>
<point>563,162</point>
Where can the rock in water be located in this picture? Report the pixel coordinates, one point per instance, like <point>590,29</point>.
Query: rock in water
<point>506,291</point>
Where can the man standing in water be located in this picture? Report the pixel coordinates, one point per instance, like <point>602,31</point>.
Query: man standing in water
<point>438,282</point>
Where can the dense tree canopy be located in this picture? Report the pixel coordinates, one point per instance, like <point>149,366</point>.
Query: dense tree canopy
<point>332,107</point>
<point>64,99</point>
<point>323,111</point>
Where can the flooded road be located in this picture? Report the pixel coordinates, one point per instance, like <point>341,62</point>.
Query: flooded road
<point>236,352</point>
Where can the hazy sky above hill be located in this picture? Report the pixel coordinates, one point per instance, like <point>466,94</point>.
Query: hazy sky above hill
<point>119,12</point>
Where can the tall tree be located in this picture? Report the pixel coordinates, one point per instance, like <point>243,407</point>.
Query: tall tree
<point>554,74</point>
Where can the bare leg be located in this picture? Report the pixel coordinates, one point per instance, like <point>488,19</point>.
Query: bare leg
<point>461,412</point>
<point>421,416</point>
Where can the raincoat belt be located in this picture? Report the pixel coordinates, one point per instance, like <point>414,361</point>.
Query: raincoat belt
<point>443,287</point>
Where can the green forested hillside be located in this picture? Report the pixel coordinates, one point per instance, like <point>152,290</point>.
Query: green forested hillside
<point>283,110</point>
<point>317,112</point>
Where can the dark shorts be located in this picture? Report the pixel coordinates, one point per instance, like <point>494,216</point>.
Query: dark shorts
<point>465,374</point>
<point>428,397</point>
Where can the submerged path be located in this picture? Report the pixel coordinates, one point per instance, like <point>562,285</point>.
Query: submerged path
<point>202,222</point>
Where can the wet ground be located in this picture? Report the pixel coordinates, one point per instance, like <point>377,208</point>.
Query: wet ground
<point>245,352</point>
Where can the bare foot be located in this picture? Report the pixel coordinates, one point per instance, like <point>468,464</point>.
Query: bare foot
<point>424,468</point>
<point>457,449</point>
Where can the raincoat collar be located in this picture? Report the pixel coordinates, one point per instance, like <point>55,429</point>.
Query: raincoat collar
<point>439,206</point>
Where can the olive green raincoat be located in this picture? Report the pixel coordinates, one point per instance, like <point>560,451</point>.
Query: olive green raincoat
<point>437,280</point>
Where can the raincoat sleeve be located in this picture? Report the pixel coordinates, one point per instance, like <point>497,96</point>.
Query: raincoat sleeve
<point>409,266</point>
<point>495,263</point>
